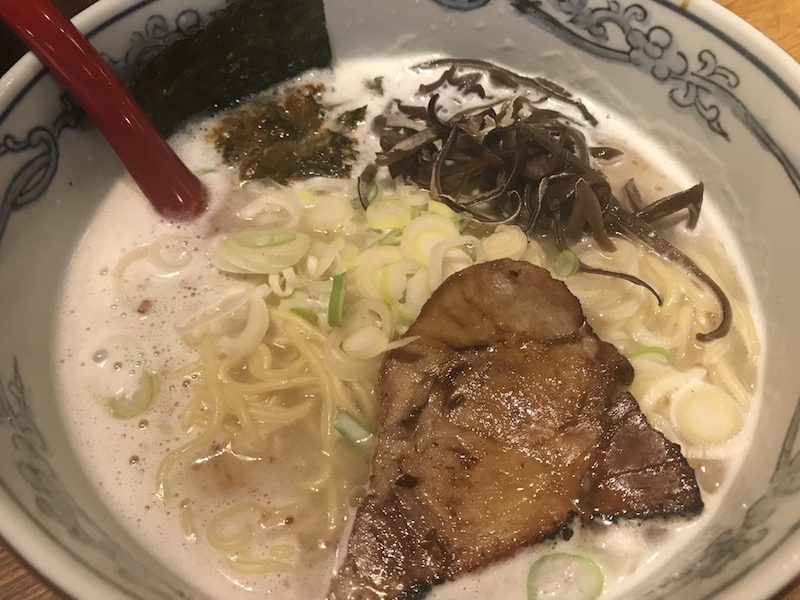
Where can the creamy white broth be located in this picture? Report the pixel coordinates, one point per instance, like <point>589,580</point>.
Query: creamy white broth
<point>104,342</point>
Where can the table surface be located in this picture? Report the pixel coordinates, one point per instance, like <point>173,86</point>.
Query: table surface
<point>778,19</point>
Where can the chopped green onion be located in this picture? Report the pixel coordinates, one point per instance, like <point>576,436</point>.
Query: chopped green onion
<point>330,213</point>
<point>260,238</point>
<point>306,197</point>
<point>440,208</point>
<point>566,264</point>
<point>372,193</point>
<point>366,342</point>
<point>655,353</point>
<point>563,576</point>
<point>393,280</point>
<point>307,314</point>
<point>206,171</point>
<point>506,242</point>
<point>391,239</point>
<point>353,431</point>
<point>705,414</point>
<point>388,213</point>
<point>128,406</point>
<point>423,233</point>
<point>336,303</point>
<point>264,251</point>
<point>368,265</point>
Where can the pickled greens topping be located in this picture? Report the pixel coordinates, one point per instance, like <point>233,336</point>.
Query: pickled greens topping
<point>285,136</point>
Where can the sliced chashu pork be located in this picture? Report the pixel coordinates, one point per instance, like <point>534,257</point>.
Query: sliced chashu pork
<point>503,421</point>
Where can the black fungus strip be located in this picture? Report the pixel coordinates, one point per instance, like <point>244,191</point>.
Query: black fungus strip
<point>584,268</point>
<point>586,211</point>
<point>433,118</point>
<point>467,84</point>
<point>504,76</point>
<point>407,147</point>
<point>633,196</point>
<point>691,199</point>
<point>644,232</point>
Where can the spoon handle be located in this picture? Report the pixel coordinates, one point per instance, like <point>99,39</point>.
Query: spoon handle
<point>171,187</point>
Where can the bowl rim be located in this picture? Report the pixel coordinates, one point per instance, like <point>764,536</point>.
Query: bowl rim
<point>63,570</point>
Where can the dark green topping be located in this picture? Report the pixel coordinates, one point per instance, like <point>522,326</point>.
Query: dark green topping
<point>284,136</point>
<point>352,118</point>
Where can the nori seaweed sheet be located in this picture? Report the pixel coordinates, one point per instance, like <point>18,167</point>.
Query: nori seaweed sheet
<point>246,47</point>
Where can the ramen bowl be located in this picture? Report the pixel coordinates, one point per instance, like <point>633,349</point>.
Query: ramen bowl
<point>713,100</point>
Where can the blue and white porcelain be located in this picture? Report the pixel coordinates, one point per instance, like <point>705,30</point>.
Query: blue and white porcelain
<point>719,100</point>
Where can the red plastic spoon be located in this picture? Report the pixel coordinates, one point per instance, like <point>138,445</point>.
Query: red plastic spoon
<point>171,187</point>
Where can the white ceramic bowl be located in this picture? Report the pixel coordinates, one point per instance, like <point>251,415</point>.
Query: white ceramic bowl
<point>716,100</point>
